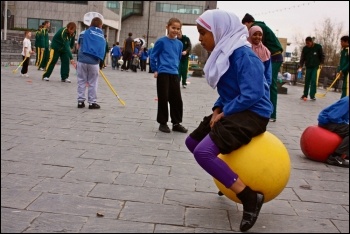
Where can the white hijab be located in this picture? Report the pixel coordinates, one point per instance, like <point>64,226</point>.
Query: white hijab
<point>229,34</point>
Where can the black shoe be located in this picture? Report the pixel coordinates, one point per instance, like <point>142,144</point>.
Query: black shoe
<point>94,106</point>
<point>81,104</point>
<point>302,97</point>
<point>179,128</point>
<point>337,161</point>
<point>249,218</point>
<point>164,128</point>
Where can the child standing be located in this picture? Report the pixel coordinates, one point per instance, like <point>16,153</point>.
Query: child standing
<point>116,55</point>
<point>255,37</point>
<point>92,49</point>
<point>26,52</point>
<point>242,110</point>
<point>143,58</point>
<point>165,60</point>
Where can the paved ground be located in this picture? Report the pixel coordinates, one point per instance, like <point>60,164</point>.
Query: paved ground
<point>61,165</point>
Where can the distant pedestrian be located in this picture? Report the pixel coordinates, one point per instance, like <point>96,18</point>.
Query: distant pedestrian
<point>143,58</point>
<point>128,50</point>
<point>45,55</point>
<point>149,57</point>
<point>37,45</point>
<point>116,55</point>
<point>183,67</point>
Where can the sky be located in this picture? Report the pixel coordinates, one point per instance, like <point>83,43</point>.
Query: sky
<point>288,19</point>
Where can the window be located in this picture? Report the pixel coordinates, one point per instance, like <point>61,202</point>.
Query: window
<point>35,23</point>
<point>179,8</point>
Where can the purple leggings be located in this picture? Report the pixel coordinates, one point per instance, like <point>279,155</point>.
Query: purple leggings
<point>206,154</point>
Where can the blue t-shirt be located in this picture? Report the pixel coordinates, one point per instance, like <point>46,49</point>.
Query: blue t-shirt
<point>116,52</point>
<point>166,55</point>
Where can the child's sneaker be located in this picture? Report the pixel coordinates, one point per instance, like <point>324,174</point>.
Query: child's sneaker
<point>337,161</point>
<point>179,128</point>
<point>94,106</point>
<point>164,128</point>
<point>81,104</point>
<point>67,81</point>
<point>46,79</point>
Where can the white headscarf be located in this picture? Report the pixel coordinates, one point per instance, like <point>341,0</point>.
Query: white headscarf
<point>229,34</point>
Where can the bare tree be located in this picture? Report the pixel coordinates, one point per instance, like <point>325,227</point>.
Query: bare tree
<point>199,51</point>
<point>328,35</point>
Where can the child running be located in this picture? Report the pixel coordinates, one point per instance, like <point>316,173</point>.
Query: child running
<point>242,110</point>
<point>165,60</point>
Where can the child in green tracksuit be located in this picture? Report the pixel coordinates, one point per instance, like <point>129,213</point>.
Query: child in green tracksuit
<point>45,50</point>
<point>343,69</point>
<point>61,46</point>
<point>183,67</point>
<point>38,45</point>
<point>313,57</point>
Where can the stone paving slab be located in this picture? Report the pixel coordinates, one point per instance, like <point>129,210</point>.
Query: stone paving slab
<point>61,165</point>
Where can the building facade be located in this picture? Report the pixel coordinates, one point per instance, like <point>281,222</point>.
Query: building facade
<point>145,19</point>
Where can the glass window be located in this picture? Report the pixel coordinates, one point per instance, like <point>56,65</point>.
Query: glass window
<point>179,8</point>
<point>113,4</point>
<point>173,8</point>
<point>35,23</point>
<point>55,25</point>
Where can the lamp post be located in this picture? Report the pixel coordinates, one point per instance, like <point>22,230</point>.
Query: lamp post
<point>120,19</point>
<point>149,16</point>
<point>5,21</point>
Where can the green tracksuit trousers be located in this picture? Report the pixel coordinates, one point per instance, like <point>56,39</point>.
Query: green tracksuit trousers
<point>65,62</point>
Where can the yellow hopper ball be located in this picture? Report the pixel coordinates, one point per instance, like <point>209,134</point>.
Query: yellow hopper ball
<point>263,164</point>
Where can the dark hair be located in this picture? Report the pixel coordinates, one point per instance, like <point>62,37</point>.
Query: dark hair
<point>96,22</point>
<point>247,19</point>
<point>308,39</point>
<point>130,34</point>
<point>345,38</point>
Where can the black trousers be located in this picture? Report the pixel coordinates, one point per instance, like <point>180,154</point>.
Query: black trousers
<point>233,131</point>
<point>127,58</point>
<point>168,91</point>
<point>25,64</point>
<point>343,131</point>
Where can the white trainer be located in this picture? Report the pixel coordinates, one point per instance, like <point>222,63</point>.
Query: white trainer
<point>67,81</point>
<point>46,79</point>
